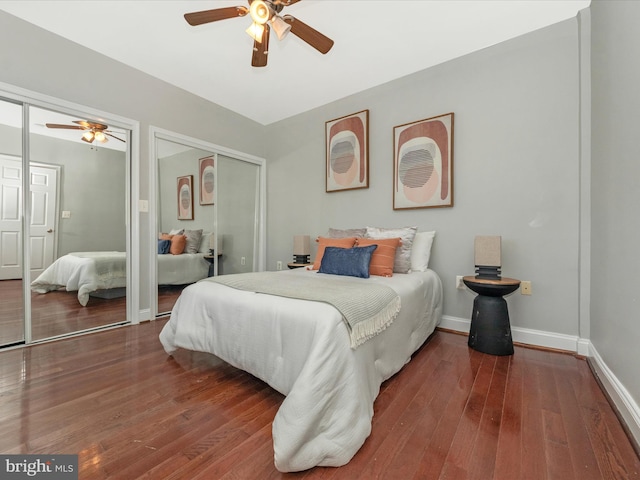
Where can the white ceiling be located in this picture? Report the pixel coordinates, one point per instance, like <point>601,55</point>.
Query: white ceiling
<point>375,41</point>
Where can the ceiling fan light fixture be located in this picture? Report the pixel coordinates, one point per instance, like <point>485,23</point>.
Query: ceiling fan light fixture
<point>256,31</point>
<point>260,11</point>
<point>101,137</point>
<point>280,26</point>
<point>88,136</point>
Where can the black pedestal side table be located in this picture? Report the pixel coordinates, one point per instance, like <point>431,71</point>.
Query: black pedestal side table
<point>490,330</point>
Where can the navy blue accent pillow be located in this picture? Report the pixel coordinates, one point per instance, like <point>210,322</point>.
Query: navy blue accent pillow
<point>164,246</point>
<point>353,262</point>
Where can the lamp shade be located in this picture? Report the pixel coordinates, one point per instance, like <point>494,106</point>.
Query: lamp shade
<point>260,12</point>
<point>488,256</point>
<point>279,26</point>
<point>488,251</point>
<point>302,245</point>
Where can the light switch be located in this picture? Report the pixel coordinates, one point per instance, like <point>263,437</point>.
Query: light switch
<point>66,214</point>
<point>143,205</point>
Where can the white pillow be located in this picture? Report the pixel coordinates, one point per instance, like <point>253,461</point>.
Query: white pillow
<point>402,263</point>
<point>204,242</point>
<point>421,251</point>
<point>177,231</point>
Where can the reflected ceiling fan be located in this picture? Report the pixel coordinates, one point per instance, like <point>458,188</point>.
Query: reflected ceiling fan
<point>93,131</point>
<point>265,15</point>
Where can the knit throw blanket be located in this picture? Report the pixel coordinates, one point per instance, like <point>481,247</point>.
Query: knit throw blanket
<point>366,307</point>
<point>109,265</point>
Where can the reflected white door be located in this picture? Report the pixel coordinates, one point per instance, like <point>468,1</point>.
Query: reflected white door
<point>10,218</point>
<point>44,188</point>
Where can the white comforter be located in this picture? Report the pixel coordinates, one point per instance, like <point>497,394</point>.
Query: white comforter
<point>301,349</point>
<point>77,273</point>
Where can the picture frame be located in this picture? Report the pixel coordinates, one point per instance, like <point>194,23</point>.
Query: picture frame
<point>206,169</point>
<point>347,152</point>
<point>423,163</point>
<point>185,197</point>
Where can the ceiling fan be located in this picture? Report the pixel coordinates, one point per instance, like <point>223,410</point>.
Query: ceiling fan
<point>265,15</point>
<point>93,131</point>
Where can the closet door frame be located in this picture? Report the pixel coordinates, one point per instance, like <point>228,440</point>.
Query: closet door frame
<point>156,133</point>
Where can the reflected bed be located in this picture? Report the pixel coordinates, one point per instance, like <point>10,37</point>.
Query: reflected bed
<point>89,272</point>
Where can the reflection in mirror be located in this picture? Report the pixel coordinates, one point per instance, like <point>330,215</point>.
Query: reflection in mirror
<point>225,204</point>
<point>237,214</point>
<point>186,218</point>
<point>11,286</point>
<point>78,228</point>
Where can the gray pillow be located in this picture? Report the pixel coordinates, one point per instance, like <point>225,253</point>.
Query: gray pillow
<point>348,232</point>
<point>402,262</point>
<point>193,240</point>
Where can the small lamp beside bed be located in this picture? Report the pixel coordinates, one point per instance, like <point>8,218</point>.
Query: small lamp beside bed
<point>301,249</point>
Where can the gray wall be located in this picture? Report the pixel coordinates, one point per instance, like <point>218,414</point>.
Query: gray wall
<point>516,170</point>
<point>615,330</point>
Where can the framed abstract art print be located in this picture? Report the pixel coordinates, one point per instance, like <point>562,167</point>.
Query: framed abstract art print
<point>207,180</point>
<point>423,163</point>
<point>347,152</point>
<point>185,197</point>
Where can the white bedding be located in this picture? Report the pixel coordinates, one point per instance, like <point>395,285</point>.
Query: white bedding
<point>78,273</point>
<point>302,349</point>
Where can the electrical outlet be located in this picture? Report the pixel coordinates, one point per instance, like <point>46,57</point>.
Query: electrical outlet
<point>279,265</point>
<point>243,260</point>
<point>459,283</point>
<point>525,288</point>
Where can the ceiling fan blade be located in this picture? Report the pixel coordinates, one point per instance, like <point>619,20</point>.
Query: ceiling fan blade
<point>91,125</point>
<point>310,35</point>
<point>261,49</point>
<point>208,16</point>
<point>113,136</point>
<point>285,3</point>
<point>57,125</point>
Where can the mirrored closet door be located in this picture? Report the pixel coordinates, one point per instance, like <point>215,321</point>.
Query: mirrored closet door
<point>12,315</point>
<point>69,237</point>
<point>209,206</point>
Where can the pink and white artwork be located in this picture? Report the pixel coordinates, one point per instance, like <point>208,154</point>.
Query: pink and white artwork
<point>347,145</point>
<point>423,163</point>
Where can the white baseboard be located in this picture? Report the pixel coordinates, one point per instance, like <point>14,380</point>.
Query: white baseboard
<point>624,403</point>
<point>540,338</point>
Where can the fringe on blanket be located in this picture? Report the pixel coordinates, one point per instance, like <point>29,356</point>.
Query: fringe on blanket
<point>363,331</point>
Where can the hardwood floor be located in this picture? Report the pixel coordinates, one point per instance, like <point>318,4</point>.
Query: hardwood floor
<point>130,411</point>
<point>59,312</point>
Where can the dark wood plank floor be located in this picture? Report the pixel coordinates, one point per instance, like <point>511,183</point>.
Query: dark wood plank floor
<point>59,313</point>
<point>130,411</point>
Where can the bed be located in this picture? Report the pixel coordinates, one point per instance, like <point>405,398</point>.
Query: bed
<point>305,350</point>
<point>91,272</point>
